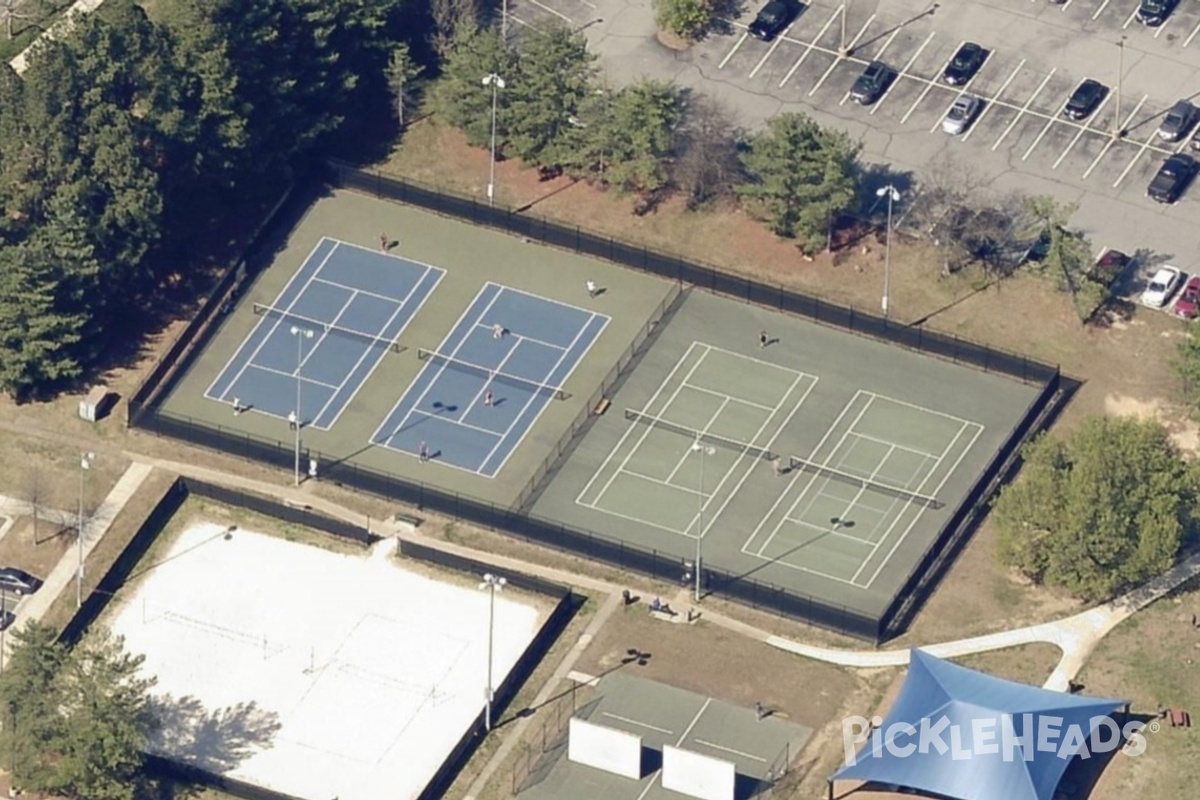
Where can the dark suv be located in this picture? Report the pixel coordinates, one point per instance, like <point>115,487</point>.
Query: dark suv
<point>1173,177</point>
<point>871,83</point>
<point>1084,99</point>
<point>964,65</point>
<point>1152,13</point>
<point>772,19</point>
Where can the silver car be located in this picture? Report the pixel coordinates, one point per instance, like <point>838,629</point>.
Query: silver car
<point>1177,122</point>
<point>960,115</point>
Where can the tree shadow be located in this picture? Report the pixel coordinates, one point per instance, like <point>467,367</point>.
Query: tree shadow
<point>212,741</point>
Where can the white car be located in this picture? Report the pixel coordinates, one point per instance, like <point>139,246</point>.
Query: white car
<point>1162,286</point>
<point>959,117</point>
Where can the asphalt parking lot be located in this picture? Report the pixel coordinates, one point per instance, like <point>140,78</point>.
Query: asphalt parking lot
<point>1037,54</point>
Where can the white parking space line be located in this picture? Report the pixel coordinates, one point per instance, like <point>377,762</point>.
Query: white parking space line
<point>808,48</point>
<point>1037,139</point>
<point>991,103</point>
<point>966,89</point>
<point>558,14</point>
<point>770,50</point>
<point>850,46</point>
<point>1108,145</point>
<point>729,55</point>
<point>1079,134</point>
<point>1192,35</point>
<point>1137,157</point>
<point>1132,15</point>
<point>903,72</point>
<point>929,87</point>
<point>1100,10</point>
<point>1163,26</point>
<point>1066,5</point>
<point>1024,108</point>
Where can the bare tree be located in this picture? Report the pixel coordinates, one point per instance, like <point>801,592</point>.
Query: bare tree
<point>448,17</point>
<point>707,166</point>
<point>402,71</point>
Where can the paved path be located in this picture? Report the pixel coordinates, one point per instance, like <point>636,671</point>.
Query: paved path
<point>21,62</point>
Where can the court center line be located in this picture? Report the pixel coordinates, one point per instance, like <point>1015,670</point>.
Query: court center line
<point>824,530</point>
<point>684,457</point>
<point>791,483</point>
<point>654,778</point>
<point>519,337</point>
<point>1112,140</point>
<point>849,48</point>
<point>357,290</point>
<point>722,748</point>
<point>435,415</point>
<point>279,321</point>
<point>922,409</point>
<point>429,270</point>
<point>638,723</point>
<point>587,312</point>
<point>293,376</point>
<point>808,46</point>
<point>902,74</point>
<point>663,482</point>
<point>953,469</point>
<point>737,400</point>
<point>897,446</point>
<point>993,101</point>
<point>929,86</point>
<point>1024,109</point>
<point>790,372</point>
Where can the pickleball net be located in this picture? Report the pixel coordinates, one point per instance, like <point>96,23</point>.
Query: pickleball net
<point>700,436</point>
<point>320,326</point>
<point>826,471</point>
<point>491,375</point>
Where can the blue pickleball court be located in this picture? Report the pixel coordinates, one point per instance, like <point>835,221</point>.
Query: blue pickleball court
<point>478,395</point>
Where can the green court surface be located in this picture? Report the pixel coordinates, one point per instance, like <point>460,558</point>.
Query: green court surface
<point>824,463</point>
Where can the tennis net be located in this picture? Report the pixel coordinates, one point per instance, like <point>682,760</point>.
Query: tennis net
<point>491,375</point>
<point>324,327</point>
<point>700,436</point>
<point>864,483</point>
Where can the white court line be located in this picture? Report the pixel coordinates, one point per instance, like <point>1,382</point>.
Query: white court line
<point>638,723</point>
<point>729,55</point>
<point>441,273</point>
<point>433,379</point>
<point>654,777</point>
<point>1100,10</point>
<point>434,415</point>
<point>356,290</point>
<point>808,47</point>
<point>930,84</point>
<point>1136,157</point>
<point>922,409</point>
<point>790,372</point>
<point>645,428</point>
<point>487,384</point>
<point>683,458</point>
<point>770,51</point>
<point>739,400</point>
<point>1024,108</point>
<point>903,72</point>
<point>953,469</point>
<point>826,530</point>
<point>816,477</point>
<point>661,482</point>
<point>1079,134</point>
<point>585,311</point>
<point>966,89</point>
<point>849,47</point>
<point>638,520</point>
<point>897,446</point>
<point>294,376</point>
<point>792,482</point>
<point>521,338</point>
<point>729,750</point>
<point>991,103</point>
<point>277,322</point>
<point>1130,18</point>
<point>1192,35</point>
<point>557,364</point>
<point>1111,141</point>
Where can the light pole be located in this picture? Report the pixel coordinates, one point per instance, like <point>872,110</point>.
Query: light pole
<point>85,463</point>
<point>504,21</point>
<point>892,195</point>
<point>493,583</point>
<point>1120,74</point>
<point>703,451</point>
<point>842,51</point>
<point>301,334</point>
<point>497,83</point>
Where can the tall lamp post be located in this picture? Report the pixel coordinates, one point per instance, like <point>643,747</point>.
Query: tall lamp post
<point>892,195</point>
<point>493,583</point>
<point>1117,132</point>
<point>497,83</point>
<point>301,334</point>
<point>85,463</point>
<point>703,451</point>
<point>843,51</point>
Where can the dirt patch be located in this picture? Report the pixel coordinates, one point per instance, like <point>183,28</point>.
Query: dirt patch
<point>36,554</point>
<point>671,41</point>
<point>1184,432</point>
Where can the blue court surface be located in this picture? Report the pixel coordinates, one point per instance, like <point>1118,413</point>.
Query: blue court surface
<point>483,389</point>
<point>355,302</point>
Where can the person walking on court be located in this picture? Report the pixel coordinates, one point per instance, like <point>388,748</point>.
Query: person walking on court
<point>423,453</point>
<point>487,397</point>
<point>383,243</point>
<point>777,463</point>
<point>762,340</point>
<point>497,331</point>
<point>592,288</point>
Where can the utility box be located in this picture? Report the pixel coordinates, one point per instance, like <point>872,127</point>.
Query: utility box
<point>96,405</point>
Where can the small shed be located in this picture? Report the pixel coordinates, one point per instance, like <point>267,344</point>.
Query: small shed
<point>97,404</point>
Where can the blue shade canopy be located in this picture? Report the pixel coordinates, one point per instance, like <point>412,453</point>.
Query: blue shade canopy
<point>970,736</point>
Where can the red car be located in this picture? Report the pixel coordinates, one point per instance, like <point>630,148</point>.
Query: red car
<point>1188,304</point>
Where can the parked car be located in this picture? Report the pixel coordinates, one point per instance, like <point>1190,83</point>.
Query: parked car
<point>773,18</point>
<point>1173,177</point>
<point>871,83</point>
<point>965,64</point>
<point>18,581</point>
<point>1154,12</point>
<point>1188,304</point>
<point>961,114</point>
<point>1162,286</point>
<point>1177,122</point>
<point>1084,100</point>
